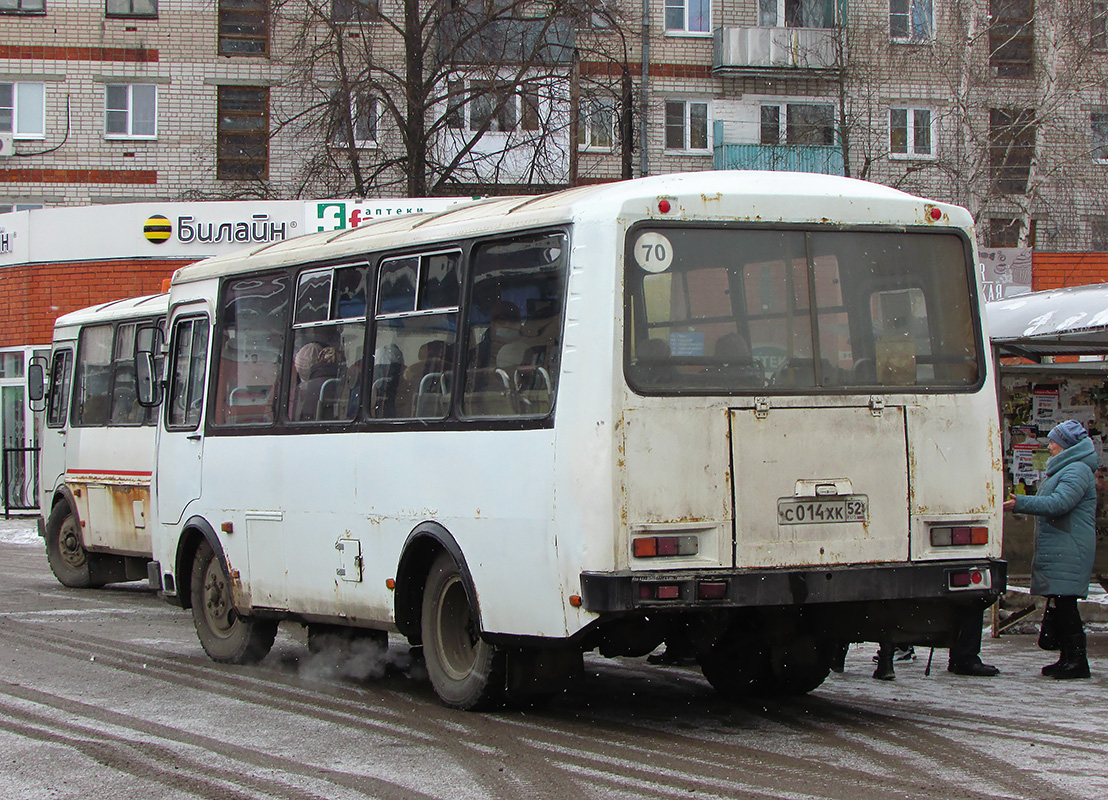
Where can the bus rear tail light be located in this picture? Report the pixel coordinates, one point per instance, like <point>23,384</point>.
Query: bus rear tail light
<point>711,590</point>
<point>662,546</point>
<point>659,591</point>
<point>969,579</point>
<point>959,536</point>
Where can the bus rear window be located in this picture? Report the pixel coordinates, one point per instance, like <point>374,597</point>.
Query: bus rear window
<point>729,311</point>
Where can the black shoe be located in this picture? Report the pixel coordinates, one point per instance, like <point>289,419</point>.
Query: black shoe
<point>974,668</point>
<point>905,653</point>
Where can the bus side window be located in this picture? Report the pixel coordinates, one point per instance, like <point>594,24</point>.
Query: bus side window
<point>417,324</point>
<point>189,361</point>
<point>125,408</point>
<point>92,406</point>
<point>60,373</point>
<point>515,323</point>
<point>328,340</point>
<point>251,350</point>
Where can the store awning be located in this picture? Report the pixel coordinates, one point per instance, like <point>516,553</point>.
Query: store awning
<point>1072,321</point>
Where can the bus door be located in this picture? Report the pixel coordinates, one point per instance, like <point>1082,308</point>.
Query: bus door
<point>182,438</point>
<point>820,485</point>
<point>52,459</point>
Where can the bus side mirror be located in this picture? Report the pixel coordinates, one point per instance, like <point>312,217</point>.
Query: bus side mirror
<point>146,374</point>
<point>36,383</point>
<point>148,341</point>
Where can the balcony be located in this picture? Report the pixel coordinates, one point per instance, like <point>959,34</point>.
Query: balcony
<point>774,49</point>
<point>824,159</point>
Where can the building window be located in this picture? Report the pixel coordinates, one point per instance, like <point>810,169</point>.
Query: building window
<point>1011,37</point>
<point>353,10</point>
<point>364,112</point>
<point>1099,120</point>
<point>243,27</point>
<point>911,133</point>
<point>804,124</point>
<point>1098,27</point>
<point>796,14</point>
<point>22,6</point>
<point>910,20</point>
<point>131,8</point>
<point>596,123</point>
<point>243,136</point>
<point>1098,235</point>
<point>23,110</point>
<point>1005,232</point>
<point>687,125</point>
<point>131,111</point>
<point>1011,148</point>
<point>492,106</point>
<point>689,16</point>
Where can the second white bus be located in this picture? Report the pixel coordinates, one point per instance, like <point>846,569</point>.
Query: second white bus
<point>750,413</point>
<point>97,445</point>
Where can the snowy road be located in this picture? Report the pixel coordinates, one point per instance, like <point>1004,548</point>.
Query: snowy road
<point>106,693</point>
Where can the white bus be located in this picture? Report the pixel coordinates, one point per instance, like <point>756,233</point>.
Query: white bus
<point>98,445</point>
<point>750,412</point>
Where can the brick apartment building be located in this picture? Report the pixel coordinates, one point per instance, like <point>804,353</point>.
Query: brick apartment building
<point>999,105</point>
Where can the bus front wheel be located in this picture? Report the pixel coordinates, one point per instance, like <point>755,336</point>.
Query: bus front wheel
<point>466,671</point>
<point>68,558</point>
<point>225,635</point>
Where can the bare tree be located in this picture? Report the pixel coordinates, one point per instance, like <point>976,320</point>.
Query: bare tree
<point>425,97</point>
<point>1010,86</point>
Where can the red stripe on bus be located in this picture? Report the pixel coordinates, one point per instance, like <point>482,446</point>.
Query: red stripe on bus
<point>110,472</point>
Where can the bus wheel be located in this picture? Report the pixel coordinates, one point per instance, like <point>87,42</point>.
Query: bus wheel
<point>67,556</point>
<point>466,671</point>
<point>225,635</point>
<point>735,666</point>
<point>800,666</point>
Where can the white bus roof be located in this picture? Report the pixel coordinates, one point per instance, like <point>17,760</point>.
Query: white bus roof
<point>148,305</point>
<point>733,194</point>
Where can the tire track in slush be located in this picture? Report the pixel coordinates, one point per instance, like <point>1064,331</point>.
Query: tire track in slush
<point>632,756</point>
<point>348,709</point>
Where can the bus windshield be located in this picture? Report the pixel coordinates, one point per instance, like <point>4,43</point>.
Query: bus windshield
<point>725,310</point>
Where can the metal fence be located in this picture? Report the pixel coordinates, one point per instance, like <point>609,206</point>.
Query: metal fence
<point>19,475</point>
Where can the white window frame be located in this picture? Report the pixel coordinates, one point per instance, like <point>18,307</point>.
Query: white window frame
<point>772,14</point>
<point>688,104</point>
<point>591,106</point>
<point>24,94</point>
<point>669,6</point>
<point>525,119</point>
<point>1102,144</point>
<point>358,99</point>
<point>129,111</point>
<point>923,10</point>
<point>783,139</point>
<point>911,121</point>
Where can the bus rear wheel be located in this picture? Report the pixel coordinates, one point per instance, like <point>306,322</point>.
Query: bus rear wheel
<point>736,666</point>
<point>225,635</point>
<point>466,671</point>
<point>69,560</point>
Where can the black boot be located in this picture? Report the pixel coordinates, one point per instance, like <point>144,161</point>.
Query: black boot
<point>1051,670</point>
<point>1077,663</point>
<point>884,671</point>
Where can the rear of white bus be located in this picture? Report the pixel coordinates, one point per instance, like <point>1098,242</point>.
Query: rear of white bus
<point>798,475</point>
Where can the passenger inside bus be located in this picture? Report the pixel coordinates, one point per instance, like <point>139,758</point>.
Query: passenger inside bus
<point>737,366</point>
<point>317,367</point>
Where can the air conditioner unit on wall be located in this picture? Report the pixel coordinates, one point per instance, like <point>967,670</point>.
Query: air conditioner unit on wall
<point>7,146</point>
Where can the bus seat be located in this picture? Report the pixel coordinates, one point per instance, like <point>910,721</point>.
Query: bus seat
<point>328,405</point>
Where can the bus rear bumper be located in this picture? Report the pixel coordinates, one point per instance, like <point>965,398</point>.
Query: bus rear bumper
<point>978,582</point>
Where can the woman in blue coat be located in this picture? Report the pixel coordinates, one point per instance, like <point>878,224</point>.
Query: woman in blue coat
<point>1065,538</point>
